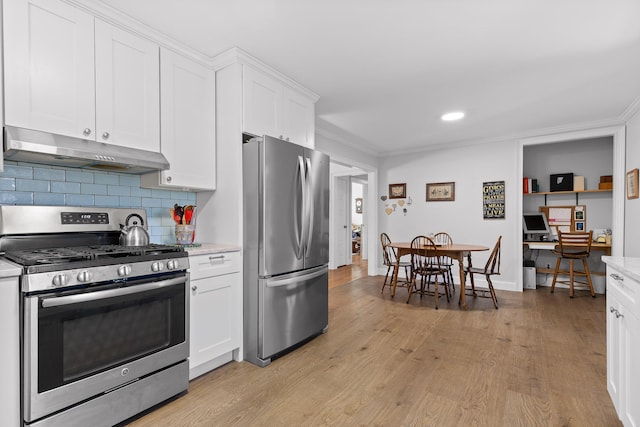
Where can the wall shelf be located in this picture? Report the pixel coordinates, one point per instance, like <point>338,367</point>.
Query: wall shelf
<point>546,193</point>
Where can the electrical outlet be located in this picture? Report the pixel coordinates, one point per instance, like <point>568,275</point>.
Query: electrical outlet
<point>548,265</point>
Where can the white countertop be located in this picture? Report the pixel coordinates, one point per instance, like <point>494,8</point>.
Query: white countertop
<point>212,248</point>
<point>626,265</point>
<point>9,269</point>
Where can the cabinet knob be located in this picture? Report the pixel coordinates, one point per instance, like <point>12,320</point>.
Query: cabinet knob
<point>168,179</point>
<point>287,138</point>
<point>619,315</point>
<point>86,132</point>
<point>281,136</point>
<point>105,135</point>
<point>194,288</point>
<point>616,277</point>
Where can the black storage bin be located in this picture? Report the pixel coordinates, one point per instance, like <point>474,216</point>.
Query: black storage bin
<point>561,182</point>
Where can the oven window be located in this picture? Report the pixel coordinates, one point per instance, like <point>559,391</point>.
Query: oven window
<point>79,340</point>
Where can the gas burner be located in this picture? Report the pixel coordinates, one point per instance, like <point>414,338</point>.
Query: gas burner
<point>49,259</point>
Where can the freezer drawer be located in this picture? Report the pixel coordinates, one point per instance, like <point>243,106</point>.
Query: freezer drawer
<point>293,308</point>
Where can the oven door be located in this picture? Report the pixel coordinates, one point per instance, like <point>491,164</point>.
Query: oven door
<point>81,344</point>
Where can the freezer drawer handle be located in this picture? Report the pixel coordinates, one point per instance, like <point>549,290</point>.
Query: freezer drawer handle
<point>274,283</point>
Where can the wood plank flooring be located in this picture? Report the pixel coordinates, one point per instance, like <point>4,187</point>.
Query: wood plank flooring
<point>537,361</point>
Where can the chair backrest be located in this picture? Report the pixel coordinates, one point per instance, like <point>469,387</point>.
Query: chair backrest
<point>575,242</point>
<point>420,246</point>
<point>442,239</point>
<point>387,251</point>
<point>493,263</point>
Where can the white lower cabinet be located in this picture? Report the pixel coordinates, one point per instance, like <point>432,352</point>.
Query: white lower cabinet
<point>215,318</point>
<point>623,345</point>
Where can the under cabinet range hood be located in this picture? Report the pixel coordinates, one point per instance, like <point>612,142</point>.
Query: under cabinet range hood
<point>27,145</point>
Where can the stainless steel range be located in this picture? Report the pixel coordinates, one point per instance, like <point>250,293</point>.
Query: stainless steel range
<point>104,326</point>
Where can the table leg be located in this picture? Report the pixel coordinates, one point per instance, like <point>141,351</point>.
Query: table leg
<point>462,302</point>
<point>395,277</point>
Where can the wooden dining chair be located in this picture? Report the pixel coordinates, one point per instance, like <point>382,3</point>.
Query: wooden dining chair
<point>428,267</point>
<point>389,258</point>
<point>444,239</point>
<point>491,268</point>
<point>573,246</point>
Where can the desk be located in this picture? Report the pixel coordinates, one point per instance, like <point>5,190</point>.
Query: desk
<point>455,251</point>
<point>549,246</point>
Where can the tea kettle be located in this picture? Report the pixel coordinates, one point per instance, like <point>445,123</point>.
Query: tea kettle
<point>133,235</point>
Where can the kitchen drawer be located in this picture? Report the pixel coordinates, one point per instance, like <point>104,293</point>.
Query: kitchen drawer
<point>215,264</point>
<point>626,287</point>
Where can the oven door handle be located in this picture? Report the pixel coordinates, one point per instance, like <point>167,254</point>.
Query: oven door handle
<point>111,293</point>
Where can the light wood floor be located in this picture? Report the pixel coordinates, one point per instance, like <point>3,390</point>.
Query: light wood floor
<point>537,361</point>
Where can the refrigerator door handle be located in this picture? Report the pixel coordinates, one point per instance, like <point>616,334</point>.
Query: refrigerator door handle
<point>310,206</point>
<point>301,226</point>
<point>276,282</point>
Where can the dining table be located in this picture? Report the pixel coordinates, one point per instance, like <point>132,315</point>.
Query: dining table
<point>456,251</point>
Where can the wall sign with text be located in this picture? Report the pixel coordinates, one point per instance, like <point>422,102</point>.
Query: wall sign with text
<point>493,200</point>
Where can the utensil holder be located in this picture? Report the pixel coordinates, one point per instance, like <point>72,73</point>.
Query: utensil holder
<point>185,234</point>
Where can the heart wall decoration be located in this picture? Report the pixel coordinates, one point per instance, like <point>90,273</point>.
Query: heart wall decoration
<point>383,198</point>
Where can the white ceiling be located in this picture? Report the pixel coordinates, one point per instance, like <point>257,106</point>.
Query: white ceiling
<point>386,70</point>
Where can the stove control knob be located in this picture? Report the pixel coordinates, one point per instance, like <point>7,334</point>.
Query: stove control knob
<point>84,276</point>
<point>157,266</point>
<point>60,280</point>
<point>124,270</point>
<point>172,264</point>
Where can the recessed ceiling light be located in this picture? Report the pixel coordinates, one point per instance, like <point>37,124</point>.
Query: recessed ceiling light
<point>456,115</point>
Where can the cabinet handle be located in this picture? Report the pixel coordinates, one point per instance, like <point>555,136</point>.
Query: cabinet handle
<point>617,277</point>
<point>86,132</point>
<point>105,135</point>
<point>618,314</point>
<point>194,288</point>
<point>213,258</point>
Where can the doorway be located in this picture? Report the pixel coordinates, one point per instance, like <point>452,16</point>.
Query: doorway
<point>347,182</point>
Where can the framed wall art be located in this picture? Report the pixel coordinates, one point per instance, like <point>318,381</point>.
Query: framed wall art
<point>397,191</point>
<point>493,200</point>
<point>632,184</point>
<point>359,205</point>
<point>441,192</point>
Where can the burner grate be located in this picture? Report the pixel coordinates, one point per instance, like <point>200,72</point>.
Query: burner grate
<point>54,256</point>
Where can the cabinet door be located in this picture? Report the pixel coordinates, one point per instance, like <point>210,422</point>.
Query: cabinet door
<point>631,370</point>
<point>188,122</point>
<point>215,317</point>
<point>262,104</point>
<point>614,346</point>
<point>298,118</point>
<point>48,64</point>
<point>127,89</point>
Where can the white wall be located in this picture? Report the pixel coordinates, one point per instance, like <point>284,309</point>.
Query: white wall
<point>468,167</point>
<point>632,207</point>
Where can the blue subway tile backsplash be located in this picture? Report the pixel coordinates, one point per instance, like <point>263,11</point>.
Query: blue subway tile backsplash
<point>34,184</point>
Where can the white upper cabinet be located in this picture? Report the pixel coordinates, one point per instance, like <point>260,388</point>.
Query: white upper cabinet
<point>71,74</point>
<point>298,118</point>
<point>127,89</point>
<point>188,95</point>
<point>49,67</point>
<point>272,108</point>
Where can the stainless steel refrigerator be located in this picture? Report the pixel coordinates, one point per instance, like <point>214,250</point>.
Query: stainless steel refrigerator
<point>286,246</point>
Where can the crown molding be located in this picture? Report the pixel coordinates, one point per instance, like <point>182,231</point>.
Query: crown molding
<point>235,55</point>
<point>127,23</point>
<point>337,136</point>
<point>512,137</point>
<point>631,110</point>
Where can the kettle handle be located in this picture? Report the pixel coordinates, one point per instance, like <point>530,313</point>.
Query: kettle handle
<point>129,217</point>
